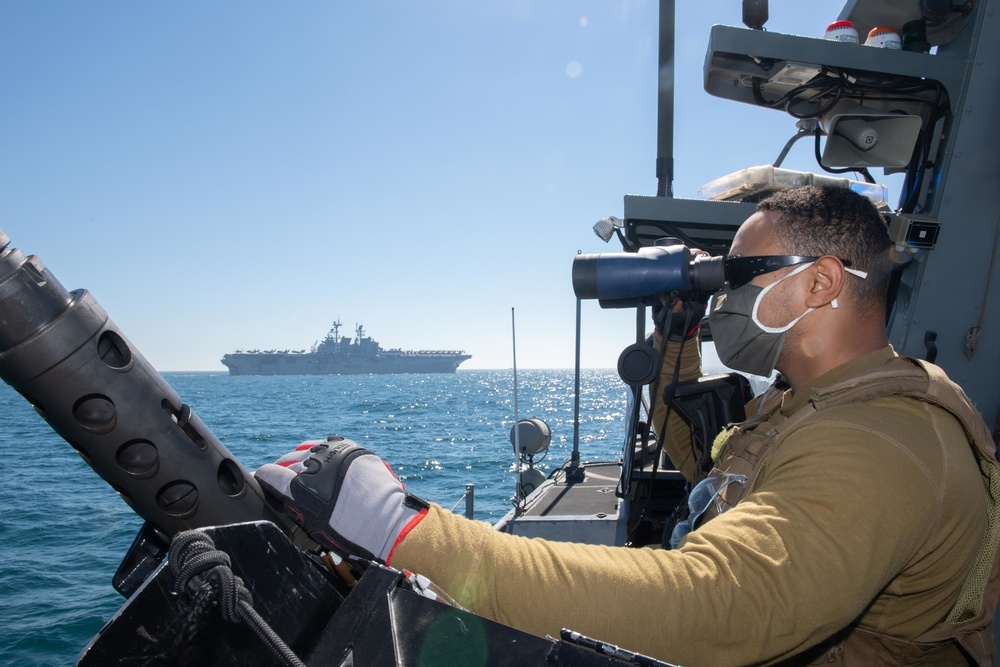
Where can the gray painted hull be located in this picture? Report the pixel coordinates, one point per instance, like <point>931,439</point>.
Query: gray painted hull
<point>320,364</point>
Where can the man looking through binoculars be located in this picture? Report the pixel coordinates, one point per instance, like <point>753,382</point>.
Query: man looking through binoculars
<point>855,525</point>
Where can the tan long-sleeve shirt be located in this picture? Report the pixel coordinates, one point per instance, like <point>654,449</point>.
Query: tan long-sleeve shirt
<point>869,512</point>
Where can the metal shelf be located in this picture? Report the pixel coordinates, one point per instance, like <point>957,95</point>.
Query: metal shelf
<point>709,225</point>
<point>737,55</point>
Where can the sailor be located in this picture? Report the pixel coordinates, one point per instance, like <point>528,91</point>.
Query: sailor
<point>852,518</point>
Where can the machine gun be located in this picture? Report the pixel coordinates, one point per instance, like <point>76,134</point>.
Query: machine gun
<point>64,355</point>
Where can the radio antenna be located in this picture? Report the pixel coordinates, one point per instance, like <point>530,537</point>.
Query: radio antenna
<point>518,494</point>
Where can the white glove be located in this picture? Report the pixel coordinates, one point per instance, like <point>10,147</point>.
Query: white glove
<point>345,497</point>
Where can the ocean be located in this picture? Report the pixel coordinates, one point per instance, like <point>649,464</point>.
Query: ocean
<point>63,530</point>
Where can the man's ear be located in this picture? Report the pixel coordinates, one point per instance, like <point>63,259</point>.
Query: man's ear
<point>826,281</point>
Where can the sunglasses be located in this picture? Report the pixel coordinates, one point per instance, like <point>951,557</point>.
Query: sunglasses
<point>741,270</point>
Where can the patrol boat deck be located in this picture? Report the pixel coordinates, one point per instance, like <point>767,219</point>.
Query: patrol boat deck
<point>575,504</point>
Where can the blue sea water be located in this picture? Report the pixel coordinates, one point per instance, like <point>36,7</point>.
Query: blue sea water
<point>63,530</point>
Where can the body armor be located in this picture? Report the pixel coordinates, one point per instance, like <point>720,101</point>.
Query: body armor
<point>744,448</point>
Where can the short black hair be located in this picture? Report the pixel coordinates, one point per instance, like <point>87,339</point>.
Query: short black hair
<point>839,222</point>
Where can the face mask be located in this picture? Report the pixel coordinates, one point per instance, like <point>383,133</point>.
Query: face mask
<point>742,341</point>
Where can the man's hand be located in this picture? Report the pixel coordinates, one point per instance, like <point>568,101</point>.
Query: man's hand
<point>678,315</point>
<point>345,497</point>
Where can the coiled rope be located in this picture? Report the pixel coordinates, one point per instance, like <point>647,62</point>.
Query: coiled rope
<point>205,573</point>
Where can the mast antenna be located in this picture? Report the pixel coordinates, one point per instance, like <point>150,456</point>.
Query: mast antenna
<point>519,493</point>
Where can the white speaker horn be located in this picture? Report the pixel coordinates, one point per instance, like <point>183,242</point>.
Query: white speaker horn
<point>860,137</point>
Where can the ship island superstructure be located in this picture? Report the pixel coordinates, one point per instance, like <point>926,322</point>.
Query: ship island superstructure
<point>343,355</point>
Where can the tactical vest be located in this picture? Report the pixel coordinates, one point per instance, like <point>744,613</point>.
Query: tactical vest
<point>745,448</point>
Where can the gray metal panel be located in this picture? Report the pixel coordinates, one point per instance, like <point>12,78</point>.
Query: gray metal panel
<point>581,530</point>
<point>709,225</point>
<point>735,55</point>
<point>954,287</point>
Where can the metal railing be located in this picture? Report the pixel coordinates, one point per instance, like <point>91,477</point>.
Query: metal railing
<point>470,500</point>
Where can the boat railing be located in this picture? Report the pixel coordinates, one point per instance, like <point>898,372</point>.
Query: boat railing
<point>470,501</point>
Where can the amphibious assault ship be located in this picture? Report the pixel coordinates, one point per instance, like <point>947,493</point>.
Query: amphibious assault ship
<point>340,355</point>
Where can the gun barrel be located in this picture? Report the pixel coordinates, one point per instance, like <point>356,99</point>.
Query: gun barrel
<point>61,351</point>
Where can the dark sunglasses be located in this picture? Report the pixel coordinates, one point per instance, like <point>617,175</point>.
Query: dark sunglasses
<point>741,270</point>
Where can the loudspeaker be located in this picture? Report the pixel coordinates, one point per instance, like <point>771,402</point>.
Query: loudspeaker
<point>860,137</point>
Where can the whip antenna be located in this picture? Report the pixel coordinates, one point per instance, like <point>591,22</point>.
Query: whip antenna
<point>575,457</point>
<point>517,439</point>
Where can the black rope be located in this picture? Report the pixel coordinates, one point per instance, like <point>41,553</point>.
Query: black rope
<point>205,572</point>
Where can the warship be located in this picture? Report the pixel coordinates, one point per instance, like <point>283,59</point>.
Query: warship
<point>340,355</point>
<point>930,108</point>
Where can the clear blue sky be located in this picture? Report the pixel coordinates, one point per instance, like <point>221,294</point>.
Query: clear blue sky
<point>229,174</point>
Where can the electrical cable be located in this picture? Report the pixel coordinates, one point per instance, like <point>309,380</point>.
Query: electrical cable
<point>832,81</point>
